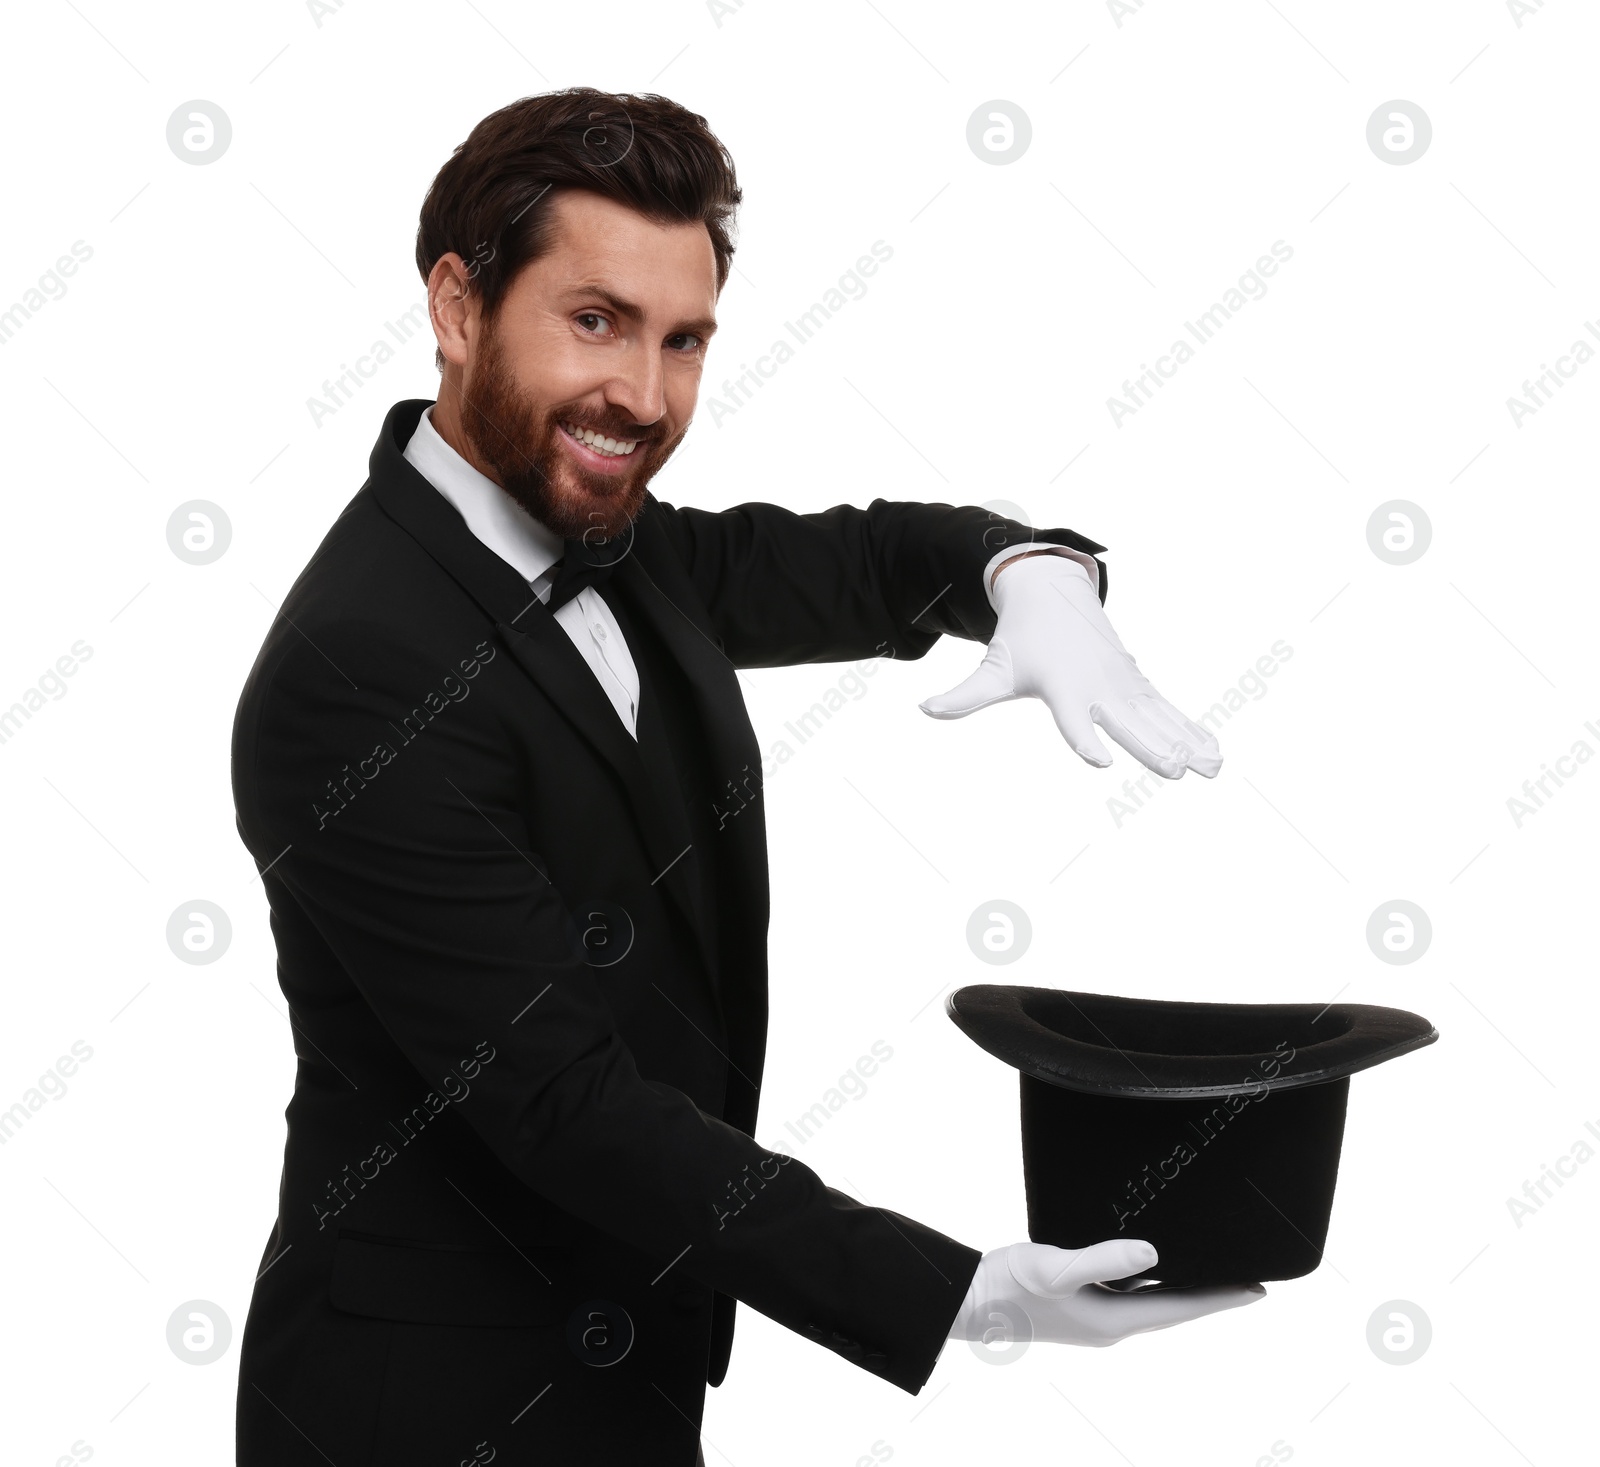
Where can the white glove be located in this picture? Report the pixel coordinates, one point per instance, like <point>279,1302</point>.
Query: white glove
<point>1032,1291</point>
<point>1052,641</point>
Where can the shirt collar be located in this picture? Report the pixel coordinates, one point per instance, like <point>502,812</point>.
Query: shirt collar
<point>492,515</point>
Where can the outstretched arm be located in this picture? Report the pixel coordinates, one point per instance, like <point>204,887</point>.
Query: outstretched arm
<point>844,583</point>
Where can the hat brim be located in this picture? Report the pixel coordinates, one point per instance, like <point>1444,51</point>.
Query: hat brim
<point>1103,1044</point>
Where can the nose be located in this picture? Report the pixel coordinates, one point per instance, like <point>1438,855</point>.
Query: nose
<point>639,388</point>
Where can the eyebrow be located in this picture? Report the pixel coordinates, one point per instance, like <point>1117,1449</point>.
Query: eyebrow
<point>703,325</point>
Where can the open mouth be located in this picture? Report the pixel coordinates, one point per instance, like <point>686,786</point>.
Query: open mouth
<point>599,443</point>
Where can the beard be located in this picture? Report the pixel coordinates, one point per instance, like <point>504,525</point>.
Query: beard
<point>516,438</point>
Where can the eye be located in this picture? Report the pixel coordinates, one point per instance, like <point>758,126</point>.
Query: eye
<point>600,327</point>
<point>686,342</point>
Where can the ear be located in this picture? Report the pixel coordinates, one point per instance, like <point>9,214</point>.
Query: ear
<point>454,308</point>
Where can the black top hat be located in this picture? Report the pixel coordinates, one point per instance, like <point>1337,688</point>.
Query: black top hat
<point>1212,1130</point>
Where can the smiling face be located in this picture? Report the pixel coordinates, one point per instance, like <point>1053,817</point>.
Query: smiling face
<point>583,383</point>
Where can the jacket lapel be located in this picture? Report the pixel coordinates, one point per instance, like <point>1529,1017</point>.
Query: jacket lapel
<point>663,590</point>
<point>544,651</point>
<point>731,752</point>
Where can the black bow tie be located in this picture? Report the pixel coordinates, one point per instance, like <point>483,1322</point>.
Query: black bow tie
<point>586,563</point>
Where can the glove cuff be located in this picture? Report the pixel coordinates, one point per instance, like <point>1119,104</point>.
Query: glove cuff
<point>1090,566</point>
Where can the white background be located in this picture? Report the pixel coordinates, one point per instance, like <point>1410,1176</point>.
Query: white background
<point>1168,153</point>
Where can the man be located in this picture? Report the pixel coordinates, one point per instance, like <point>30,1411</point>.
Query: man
<point>494,766</point>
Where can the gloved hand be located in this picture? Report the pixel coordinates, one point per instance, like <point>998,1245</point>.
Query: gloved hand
<point>1052,641</point>
<point>1055,1293</point>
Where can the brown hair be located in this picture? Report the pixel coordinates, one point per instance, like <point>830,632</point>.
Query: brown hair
<point>490,203</point>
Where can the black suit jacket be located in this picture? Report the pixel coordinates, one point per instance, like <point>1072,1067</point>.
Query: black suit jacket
<point>520,1191</point>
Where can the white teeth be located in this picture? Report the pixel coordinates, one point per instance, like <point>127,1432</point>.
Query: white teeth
<point>606,447</point>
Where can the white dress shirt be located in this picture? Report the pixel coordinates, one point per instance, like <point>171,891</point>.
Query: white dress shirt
<point>531,548</point>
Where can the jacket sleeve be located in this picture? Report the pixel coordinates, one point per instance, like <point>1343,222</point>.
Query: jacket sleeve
<point>421,879</point>
<point>845,582</point>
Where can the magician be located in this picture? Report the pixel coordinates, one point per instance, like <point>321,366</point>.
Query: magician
<point>484,762</point>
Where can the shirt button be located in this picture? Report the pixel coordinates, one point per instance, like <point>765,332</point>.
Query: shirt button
<point>600,631</point>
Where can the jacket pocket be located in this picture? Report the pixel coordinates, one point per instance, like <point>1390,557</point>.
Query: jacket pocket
<point>439,1283</point>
